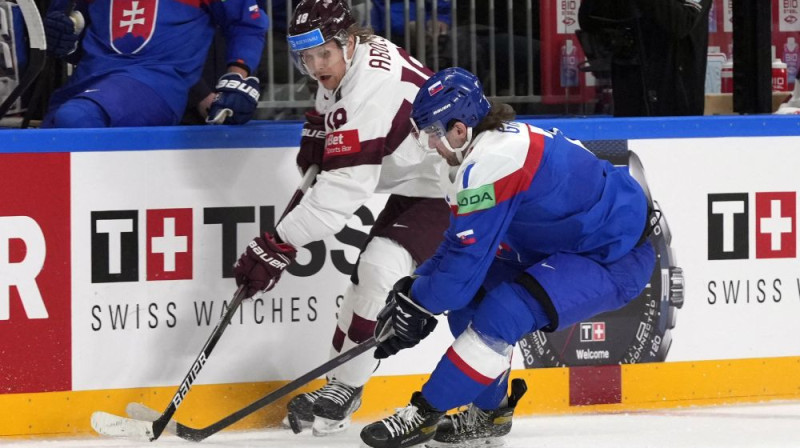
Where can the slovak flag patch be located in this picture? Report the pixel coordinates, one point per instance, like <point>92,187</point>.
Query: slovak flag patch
<point>254,14</point>
<point>467,237</point>
<point>435,88</point>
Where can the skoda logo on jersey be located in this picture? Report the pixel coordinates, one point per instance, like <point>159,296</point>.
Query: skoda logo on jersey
<point>132,24</point>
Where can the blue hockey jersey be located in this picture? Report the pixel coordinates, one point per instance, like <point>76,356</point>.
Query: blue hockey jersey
<point>523,194</point>
<point>162,43</point>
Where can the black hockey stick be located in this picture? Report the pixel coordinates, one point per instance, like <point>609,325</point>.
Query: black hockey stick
<point>113,425</point>
<point>38,51</point>
<point>199,434</point>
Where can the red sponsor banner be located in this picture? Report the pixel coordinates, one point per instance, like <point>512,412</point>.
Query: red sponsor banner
<point>35,276</point>
<point>340,143</point>
<point>561,53</point>
<point>169,244</point>
<point>776,225</point>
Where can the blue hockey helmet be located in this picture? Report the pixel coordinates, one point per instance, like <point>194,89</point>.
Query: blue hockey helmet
<point>453,94</point>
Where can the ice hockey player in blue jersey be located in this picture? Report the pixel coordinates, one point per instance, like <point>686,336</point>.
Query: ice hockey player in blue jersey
<point>137,59</point>
<point>542,235</point>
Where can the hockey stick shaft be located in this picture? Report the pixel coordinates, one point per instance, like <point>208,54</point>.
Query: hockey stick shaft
<point>216,334</point>
<point>197,435</point>
<point>38,45</point>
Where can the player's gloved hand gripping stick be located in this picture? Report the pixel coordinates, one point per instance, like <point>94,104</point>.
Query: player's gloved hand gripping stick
<point>113,425</point>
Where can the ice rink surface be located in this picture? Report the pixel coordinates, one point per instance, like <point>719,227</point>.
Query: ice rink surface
<point>775,424</point>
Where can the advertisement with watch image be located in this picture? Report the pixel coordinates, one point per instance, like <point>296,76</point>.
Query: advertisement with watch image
<point>639,332</point>
<point>729,222</point>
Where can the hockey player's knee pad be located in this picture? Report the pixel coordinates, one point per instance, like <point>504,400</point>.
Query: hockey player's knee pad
<point>487,354</point>
<point>80,113</point>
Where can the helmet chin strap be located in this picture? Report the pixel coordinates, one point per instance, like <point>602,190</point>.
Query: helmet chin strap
<point>349,61</point>
<point>459,152</point>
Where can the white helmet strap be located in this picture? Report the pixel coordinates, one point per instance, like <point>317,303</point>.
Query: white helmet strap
<point>460,150</point>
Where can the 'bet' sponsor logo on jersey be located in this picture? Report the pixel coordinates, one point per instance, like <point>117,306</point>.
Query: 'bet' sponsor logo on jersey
<point>115,245</point>
<point>729,225</point>
<point>593,331</point>
<point>340,143</point>
<point>133,23</point>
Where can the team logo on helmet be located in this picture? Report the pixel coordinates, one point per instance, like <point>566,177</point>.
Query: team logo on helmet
<point>435,88</point>
<point>132,24</point>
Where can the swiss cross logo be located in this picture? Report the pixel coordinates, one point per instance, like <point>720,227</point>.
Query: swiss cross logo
<point>776,225</point>
<point>775,222</point>
<point>133,23</point>
<point>341,143</point>
<point>35,273</point>
<point>593,331</point>
<point>169,244</point>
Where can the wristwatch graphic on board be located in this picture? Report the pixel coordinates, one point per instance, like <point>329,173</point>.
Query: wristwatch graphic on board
<point>639,332</point>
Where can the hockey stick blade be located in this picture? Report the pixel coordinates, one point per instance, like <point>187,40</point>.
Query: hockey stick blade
<point>139,411</point>
<point>115,426</point>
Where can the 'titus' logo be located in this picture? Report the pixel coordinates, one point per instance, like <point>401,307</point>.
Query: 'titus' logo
<point>593,331</point>
<point>170,242</point>
<point>115,245</point>
<point>729,225</point>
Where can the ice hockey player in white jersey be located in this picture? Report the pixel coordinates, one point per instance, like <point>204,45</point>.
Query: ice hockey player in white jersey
<point>359,135</point>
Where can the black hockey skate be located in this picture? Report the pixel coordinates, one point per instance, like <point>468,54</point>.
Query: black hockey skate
<point>413,425</point>
<point>327,410</point>
<point>334,407</point>
<point>474,427</point>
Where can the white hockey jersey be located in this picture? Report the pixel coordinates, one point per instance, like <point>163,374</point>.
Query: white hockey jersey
<point>368,145</point>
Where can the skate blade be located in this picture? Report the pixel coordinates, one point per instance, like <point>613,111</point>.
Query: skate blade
<point>325,427</point>
<point>301,424</point>
<point>486,442</point>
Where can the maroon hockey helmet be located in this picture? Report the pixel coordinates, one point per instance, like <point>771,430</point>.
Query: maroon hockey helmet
<point>315,22</point>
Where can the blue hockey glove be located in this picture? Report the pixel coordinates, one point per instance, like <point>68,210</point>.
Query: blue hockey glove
<point>62,33</point>
<point>236,100</point>
<point>409,321</point>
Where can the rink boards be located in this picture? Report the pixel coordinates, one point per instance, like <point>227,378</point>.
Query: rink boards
<point>116,247</point>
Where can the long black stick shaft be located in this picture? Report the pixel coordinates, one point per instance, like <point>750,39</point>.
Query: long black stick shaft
<point>197,435</point>
<point>161,423</point>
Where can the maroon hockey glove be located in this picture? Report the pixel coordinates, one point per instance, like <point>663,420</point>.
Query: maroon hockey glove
<point>312,143</point>
<point>410,322</point>
<point>262,264</point>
